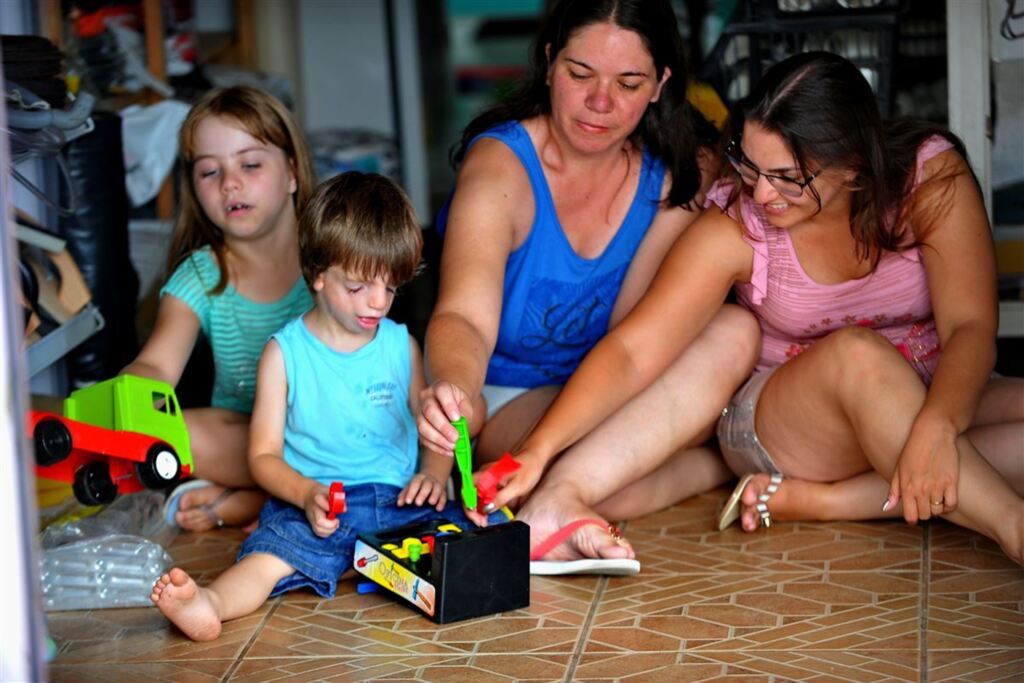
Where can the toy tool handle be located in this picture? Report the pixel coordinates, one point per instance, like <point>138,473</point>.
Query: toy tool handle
<point>487,481</point>
<point>336,500</point>
<point>464,460</point>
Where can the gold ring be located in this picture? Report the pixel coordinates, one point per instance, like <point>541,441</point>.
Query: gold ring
<point>936,503</point>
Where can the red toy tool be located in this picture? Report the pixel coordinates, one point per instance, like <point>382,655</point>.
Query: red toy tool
<point>487,481</point>
<point>336,499</point>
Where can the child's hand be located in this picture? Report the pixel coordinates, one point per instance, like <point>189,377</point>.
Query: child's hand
<point>317,507</point>
<point>424,488</point>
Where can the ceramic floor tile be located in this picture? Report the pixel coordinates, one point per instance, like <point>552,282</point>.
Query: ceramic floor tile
<point>429,668</point>
<point>954,547</point>
<point>140,635</point>
<point>976,609</point>
<point>684,539</point>
<point>818,666</point>
<point>376,624</point>
<point>808,602</point>
<point>810,610</point>
<point>180,671</point>
<point>982,666</point>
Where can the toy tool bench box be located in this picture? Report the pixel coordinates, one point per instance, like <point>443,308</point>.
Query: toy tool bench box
<point>447,572</point>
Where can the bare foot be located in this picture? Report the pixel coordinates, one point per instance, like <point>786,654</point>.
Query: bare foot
<point>548,510</point>
<point>208,507</point>
<point>186,605</point>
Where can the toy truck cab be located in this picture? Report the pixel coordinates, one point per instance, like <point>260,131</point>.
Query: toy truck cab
<point>117,436</point>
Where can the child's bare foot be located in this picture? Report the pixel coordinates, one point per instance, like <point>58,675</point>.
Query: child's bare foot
<point>186,605</point>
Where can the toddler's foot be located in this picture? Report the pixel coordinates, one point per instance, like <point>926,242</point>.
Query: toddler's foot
<point>186,605</point>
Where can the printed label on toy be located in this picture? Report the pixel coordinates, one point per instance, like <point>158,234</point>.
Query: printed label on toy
<point>383,570</point>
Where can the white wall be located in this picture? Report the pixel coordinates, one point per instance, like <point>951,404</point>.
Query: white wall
<point>345,78</point>
<point>343,57</point>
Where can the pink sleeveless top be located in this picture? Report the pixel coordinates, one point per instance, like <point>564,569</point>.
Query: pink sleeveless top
<point>795,311</point>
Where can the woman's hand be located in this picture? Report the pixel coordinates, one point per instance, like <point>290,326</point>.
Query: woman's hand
<point>927,472</point>
<point>423,488</point>
<point>316,505</point>
<point>517,485</point>
<point>440,404</point>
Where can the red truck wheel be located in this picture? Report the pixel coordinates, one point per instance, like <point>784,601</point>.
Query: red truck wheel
<point>161,468</point>
<point>53,442</point>
<point>93,485</point>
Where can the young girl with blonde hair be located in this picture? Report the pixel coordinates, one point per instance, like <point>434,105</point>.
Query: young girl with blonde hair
<point>235,277</point>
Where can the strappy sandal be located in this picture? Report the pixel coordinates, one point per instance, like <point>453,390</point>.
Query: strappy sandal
<point>173,502</point>
<point>731,511</point>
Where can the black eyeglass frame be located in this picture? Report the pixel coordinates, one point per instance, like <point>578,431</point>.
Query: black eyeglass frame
<point>734,153</point>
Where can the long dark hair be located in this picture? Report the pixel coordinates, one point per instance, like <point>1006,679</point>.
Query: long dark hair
<point>666,128</point>
<point>825,111</point>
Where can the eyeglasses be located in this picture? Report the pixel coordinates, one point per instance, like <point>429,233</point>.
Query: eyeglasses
<point>791,187</point>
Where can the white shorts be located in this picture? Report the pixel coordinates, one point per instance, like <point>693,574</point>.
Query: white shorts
<point>498,396</point>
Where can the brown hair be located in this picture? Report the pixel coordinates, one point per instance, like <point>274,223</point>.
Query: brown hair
<point>667,127</point>
<point>262,116</point>
<point>363,223</point>
<point>825,111</point>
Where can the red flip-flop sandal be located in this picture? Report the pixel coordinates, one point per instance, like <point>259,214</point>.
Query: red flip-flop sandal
<point>588,565</point>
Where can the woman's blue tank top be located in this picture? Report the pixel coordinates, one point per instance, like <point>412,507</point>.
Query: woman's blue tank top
<point>556,304</point>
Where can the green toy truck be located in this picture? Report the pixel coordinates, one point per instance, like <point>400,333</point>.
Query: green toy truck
<point>117,436</point>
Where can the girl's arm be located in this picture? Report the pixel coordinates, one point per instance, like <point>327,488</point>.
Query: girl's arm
<point>167,350</point>
<point>684,296</point>
<point>266,445</point>
<point>428,485</point>
<point>959,258</point>
<point>463,329</point>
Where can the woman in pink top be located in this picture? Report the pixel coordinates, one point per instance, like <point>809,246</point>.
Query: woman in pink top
<point>866,255</point>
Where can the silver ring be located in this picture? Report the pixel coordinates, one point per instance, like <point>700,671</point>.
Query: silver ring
<point>489,508</point>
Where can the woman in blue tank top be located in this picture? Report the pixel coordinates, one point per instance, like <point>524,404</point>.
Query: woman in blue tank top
<point>568,196</point>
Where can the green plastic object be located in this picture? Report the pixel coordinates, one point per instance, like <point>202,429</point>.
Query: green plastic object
<point>133,404</point>
<point>464,460</point>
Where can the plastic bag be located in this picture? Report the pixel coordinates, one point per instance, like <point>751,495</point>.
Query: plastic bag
<point>111,559</point>
<point>150,146</point>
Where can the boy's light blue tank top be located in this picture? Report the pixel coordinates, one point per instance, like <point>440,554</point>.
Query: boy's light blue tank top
<point>556,304</point>
<point>236,327</point>
<point>348,413</point>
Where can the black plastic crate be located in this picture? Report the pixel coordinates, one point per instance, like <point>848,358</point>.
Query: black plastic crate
<point>798,8</point>
<point>747,48</point>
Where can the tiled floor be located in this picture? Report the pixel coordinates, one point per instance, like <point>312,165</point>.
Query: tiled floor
<point>799,602</point>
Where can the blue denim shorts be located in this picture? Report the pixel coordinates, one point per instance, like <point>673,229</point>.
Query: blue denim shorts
<point>284,532</point>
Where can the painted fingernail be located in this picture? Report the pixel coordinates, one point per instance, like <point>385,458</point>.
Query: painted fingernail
<point>887,504</point>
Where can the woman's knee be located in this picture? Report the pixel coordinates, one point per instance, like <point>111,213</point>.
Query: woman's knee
<point>861,358</point>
